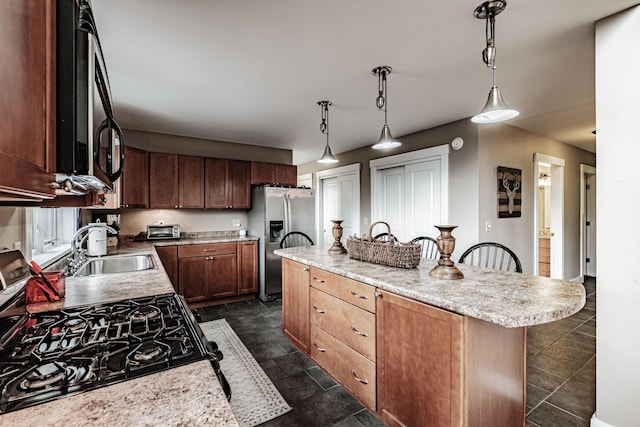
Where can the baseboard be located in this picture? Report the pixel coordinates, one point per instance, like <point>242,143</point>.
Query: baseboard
<point>595,422</point>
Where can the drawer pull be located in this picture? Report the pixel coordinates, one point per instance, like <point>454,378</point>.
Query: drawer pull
<point>318,280</point>
<point>320,349</point>
<point>208,250</point>
<point>359,296</point>
<point>362,334</point>
<point>319,310</point>
<point>353,373</point>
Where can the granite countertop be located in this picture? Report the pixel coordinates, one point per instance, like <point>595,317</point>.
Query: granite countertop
<point>188,395</point>
<point>503,298</point>
<point>185,395</point>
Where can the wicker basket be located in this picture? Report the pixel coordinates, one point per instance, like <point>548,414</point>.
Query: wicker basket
<point>393,254</point>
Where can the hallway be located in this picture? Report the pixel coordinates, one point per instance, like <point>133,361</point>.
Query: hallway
<point>560,369</point>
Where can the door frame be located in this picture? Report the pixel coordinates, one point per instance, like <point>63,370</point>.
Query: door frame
<point>334,173</point>
<point>439,152</point>
<point>584,171</point>
<point>557,165</point>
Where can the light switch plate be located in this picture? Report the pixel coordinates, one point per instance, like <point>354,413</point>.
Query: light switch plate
<point>235,223</point>
<point>488,226</point>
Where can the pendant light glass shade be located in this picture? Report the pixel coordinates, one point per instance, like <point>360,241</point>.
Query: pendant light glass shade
<point>328,156</point>
<point>386,140</point>
<point>495,110</point>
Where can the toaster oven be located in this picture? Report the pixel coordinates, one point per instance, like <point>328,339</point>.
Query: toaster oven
<point>158,232</point>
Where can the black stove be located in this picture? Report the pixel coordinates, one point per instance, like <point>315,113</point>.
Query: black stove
<point>48,355</point>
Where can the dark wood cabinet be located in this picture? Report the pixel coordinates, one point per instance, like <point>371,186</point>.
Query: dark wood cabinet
<point>175,181</point>
<point>207,271</point>
<point>287,175</point>
<point>27,84</point>
<point>134,183</point>
<point>169,258</point>
<point>247,267</point>
<point>274,174</point>
<point>163,180</point>
<point>295,303</point>
<point>191,182</point>
<point>227,184</point>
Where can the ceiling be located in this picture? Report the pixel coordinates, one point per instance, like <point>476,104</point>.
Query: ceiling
<point>252,71</point>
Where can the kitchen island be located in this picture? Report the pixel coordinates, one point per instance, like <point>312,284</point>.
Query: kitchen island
<point>417,350</point>
<point>185,395</point>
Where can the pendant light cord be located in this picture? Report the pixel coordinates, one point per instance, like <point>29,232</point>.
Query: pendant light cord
<point>381,101</point>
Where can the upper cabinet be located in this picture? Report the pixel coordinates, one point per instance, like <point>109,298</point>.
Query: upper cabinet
<point>27,84</point>
<point>176,181</point>
<point>274,174</point>
<point>227,184</point>
<point>135,179</point>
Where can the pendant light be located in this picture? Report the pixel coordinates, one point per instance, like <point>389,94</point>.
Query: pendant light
<point>386,140</point>
<point>327,157</point>
<point>495,110</point>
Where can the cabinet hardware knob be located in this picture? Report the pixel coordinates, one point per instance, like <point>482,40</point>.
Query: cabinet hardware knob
<point>175,206</point>
<point>318,280</point>
<point>319,310</point>
<point>320,349</point>
<point>377,294</point>
<point>362,334</point>
<point>359,296</point>
<point>353,373</point>
<point>305,269</point>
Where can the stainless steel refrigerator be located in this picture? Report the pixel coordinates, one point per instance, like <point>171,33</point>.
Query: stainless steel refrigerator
<point>275,211</point>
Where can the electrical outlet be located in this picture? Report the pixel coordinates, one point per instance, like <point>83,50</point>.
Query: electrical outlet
<point>17,245</point>
<point>365,221</point>
<point>488,226</point>
<point>235,223</point>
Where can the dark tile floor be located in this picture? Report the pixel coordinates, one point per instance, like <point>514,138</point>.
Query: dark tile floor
<point>560,369</point>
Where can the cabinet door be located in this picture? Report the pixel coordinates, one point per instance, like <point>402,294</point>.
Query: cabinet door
<point>247,267</point>
<point>239,184</point>
<point>223,275</point>
<point>263,173</point>
<point>193,278</point>
<point>287,175</point>
<point>216,184</point>
<point>163,180</point>
<point>135,178</point>
<point>27,84</point>
<point>420,383</point>
<point>169,258</point>
<point>295,303</point>
<point>191,182</point>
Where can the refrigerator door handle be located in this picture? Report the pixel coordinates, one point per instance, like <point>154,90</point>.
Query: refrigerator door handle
<point>287,213</point>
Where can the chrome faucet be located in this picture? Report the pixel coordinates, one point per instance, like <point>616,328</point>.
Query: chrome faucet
<point>78,254</point>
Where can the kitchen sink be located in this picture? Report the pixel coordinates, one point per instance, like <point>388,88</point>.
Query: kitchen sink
<point>116,264</point>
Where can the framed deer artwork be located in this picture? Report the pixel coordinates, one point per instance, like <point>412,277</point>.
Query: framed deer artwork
<point>509,192</point>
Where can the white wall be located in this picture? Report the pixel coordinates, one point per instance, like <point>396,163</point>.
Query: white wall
<point>618,232</point>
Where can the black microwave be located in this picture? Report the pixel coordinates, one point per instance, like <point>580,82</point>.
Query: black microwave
<point>89,142</point>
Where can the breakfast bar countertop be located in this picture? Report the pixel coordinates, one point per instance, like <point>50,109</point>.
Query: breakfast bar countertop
<point>502,298</point>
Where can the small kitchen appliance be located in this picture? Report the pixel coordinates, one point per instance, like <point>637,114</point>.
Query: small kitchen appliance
<point>97,240</point>
<point>158,232</point>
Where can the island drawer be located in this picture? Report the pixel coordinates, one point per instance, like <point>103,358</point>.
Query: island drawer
<point>350,324</point>
<point>188,251</point>
<point>356,293</point>
<point>353,371</point>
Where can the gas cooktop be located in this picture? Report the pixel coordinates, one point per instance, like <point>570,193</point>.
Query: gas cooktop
<point>48,355</point>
